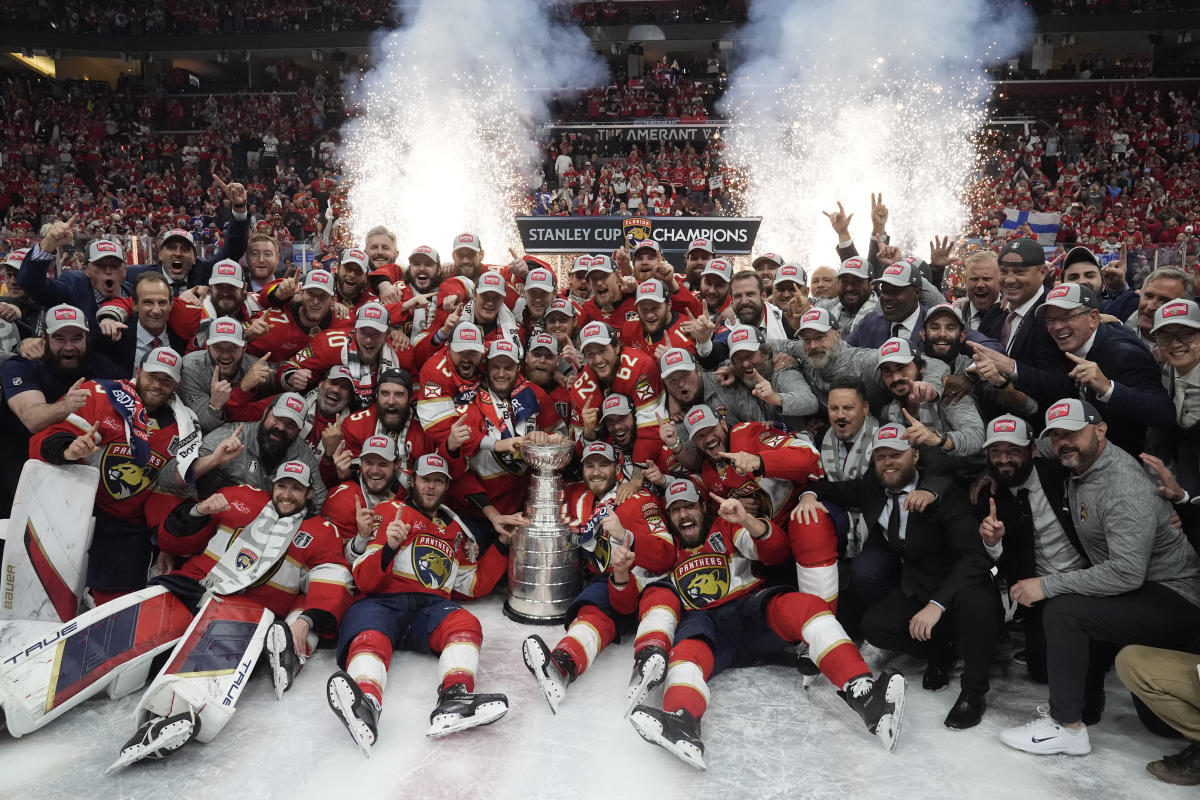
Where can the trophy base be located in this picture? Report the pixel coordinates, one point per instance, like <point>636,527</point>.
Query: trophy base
<point>532,619</point>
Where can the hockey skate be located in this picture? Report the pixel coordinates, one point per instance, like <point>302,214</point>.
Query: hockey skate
<point>157,738</point>
<point>880,703</point>
<point>354,709</point>
<point>552,677</point>
<point>649,667</point>
<point>281,654</point>
<point>458,709</point>
<point>677,732</point>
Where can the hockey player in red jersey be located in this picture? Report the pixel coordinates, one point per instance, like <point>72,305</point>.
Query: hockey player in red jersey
<point>421,557</point>
<point>731,618</point>
<point>391,416</point>
<point>658,326</point>
<point>541,369</point>
<point>290,328</point>
<point>612,370</point>
<point>351,504</point>
<point>448,382</point>
<point>603,523</point>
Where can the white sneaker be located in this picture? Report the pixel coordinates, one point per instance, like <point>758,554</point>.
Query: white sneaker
<point>1044,737</point>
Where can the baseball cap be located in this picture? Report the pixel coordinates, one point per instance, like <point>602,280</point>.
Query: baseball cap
<point>703,245</point>
<point>425,250</point>
<point>432,464</point>
<point>581,263</point>
<point>595,333</point>
<point>676,360</point>
<point>790,273</point>
<point>945,308</point>
<point>503,348</point>
<point>295,470</point>
<point>319,279</point>
<point>355,256</point>
<point>1022,253</point>
<point>1008,428</point>
<point>1070,414</point>
<point>891,437</point>
<point>743,339</point>
<point>164,360</point>
<point>103,248</point>
<point>372,315</point>
<point>13,260</point>
<point>380,446</point>
<point>600,264</point>
<point>615,405</point>
<point>491,282</point>
<point>540,279</point>
<point>543,340</point>
<point>396,375</point>
<point>646,244</point>
<point>774,258</point>
<point>226,329</point>
<point>602,449</point>
<point>289,405</point>
<point>561,305</point>
<point>1177,312</point>
<point>899,274</point>
<point>1077,254</point>
<point>1069,296</point>
<point>895,351</point>
<point>178,233</point>
<point>856,268</point>
<point>339,372</point>
<point>65,316</point>
<point>467,241</point>
<point>227,272</point>
<point>681,489</point>
<point>699,418</point>
<point>467,337</point>
<point>816,319</point>
<point>719,267</point>
<point>652,290</point>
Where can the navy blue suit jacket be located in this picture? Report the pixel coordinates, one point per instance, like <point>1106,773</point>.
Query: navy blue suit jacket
<point>1138,398</point>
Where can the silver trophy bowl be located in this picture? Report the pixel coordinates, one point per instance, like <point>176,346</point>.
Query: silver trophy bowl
<point>543,566</point>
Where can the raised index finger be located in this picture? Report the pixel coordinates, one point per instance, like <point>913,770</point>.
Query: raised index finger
<point>992,506</point>
<point>71,221</point>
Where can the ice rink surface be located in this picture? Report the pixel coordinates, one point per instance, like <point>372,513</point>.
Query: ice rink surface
<point>765,737</point>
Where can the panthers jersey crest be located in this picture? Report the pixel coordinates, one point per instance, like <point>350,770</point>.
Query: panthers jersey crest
<point>432,562</point>
<point>702,580</point>
<point>246,559</point>
<point>120,474</point>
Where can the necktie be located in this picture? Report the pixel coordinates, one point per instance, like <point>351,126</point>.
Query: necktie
<point>155,342</point>
<point>1006,331</point>
<point>893,525</point>
<point>896,328</point>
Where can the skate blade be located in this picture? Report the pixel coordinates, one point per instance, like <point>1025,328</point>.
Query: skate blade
<point>341,700</point>
<point>537,663</point>
<point>650,678</point>
<point>171,737</point>
<point>276,642</point>
<point>651,729</point>
<point>485,714</point>
<point>888,728</point>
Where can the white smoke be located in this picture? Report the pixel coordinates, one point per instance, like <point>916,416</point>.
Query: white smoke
<point>444,140</point>
<point>841,98</point>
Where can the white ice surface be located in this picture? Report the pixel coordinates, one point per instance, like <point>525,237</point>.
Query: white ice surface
<point>765,737</point>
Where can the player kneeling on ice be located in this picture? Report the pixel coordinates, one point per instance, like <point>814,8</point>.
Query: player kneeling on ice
<point>421,554</point>
<point>604,523</point>
<point>731,619</point>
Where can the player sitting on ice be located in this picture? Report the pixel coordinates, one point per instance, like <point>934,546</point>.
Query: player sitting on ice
<point>421,555</point>
<point>603,524</point>
<point>731,619</point>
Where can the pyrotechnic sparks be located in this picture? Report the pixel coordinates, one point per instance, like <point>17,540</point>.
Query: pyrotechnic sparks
<point>444,140</point>
<point>848,97</point>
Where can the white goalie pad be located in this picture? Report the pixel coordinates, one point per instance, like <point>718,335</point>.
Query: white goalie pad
<point>46,542</point>
<point>108,648</point>
<point>210,665</point>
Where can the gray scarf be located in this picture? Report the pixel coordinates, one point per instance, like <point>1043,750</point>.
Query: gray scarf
<point>842,466</point>
<point>254,555</point>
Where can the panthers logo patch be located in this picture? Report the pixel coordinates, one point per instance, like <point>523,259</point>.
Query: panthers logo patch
<point>602,555</point>
<point>432,561</point>
<point>122,477</point>
<point>246,559</point>
<point>702,580</point>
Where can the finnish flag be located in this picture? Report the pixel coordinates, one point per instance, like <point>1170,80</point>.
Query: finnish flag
<point>1044,224</point>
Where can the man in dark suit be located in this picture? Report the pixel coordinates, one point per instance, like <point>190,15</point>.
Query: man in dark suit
<point>899,315</point>
<point>944,591</point>
<point>133,327</point>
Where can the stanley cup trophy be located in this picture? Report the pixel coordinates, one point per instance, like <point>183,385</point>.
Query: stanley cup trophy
<point>543,570</point>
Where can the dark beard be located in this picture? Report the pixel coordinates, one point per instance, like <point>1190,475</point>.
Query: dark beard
<point>949,358</point>
<point>399,426</point>
<point>270,450</point>
<point>59,371</point>
<point>1019,478</point>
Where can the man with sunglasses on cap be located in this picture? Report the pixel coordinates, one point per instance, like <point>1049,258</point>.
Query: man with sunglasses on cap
<point>140,436</point>
<point>1142,585</point>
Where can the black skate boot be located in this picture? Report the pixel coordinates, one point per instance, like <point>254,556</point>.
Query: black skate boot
<point>554,671</point>
<point>458,709</point>
<point>285,663</point>
<point>157,738</point>
<point>677,732</point>
<point>357,712</point>
<point>880,703</point>
<point>649,668</point>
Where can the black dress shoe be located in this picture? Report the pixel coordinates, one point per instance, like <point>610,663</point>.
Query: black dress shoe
<point>967,710</point>
<point>937,676</point>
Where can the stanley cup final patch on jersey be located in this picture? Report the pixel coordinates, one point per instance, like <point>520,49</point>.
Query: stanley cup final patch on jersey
<point>302,539</point>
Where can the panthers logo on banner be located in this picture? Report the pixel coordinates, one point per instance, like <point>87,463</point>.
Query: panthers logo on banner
<point>120,475</point>
<point>432,561</point>
<point>636,229</point>
<point>702,580</point>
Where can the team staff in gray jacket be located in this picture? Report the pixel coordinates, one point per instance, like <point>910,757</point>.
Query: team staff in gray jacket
<point>1143,585</point>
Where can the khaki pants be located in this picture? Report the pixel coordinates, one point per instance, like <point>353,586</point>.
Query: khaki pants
<point>1167,682</point>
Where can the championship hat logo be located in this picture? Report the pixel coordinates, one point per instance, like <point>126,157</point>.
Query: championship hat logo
<point>292,466</point>
<point>740,335</point>
<point>372,313</point>
<point>320,276</point>
<point>225,328</point>
<point>226,269</point>
<point>612,402</point>
<point>679,487</point>
<point>695,416</point>
<point>467,335</point>
<point>167,359</point>
<point>1175,310</point>
<point>435,461</point>
<point>593,329</point>
<point>66,313</point>
<point>855,264</point>
<point>788,272</point>
<point>502,346</point>
<point>357,254</point>
<point>297,405</point>
<point>646,288</point>
<point>673,357</point>
<point>889,348</point>
<point>423,250</point>
<point>105,247</point>
<point>377,441</point>
<point>465,238</point>
<point>1059,410</point>
<point>491,279</point>
<point>1060,291</point>
<point>889,432</point>
<point>1004,426</point>
<point>894,269</point>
